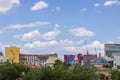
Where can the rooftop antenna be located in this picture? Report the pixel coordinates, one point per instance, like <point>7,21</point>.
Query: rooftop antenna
<point>86,48</point>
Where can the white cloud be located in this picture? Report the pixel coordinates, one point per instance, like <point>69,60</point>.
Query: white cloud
<point>6,5</point>
<point>39,5</point>
<point>96,4</point>
<point>95,47</point>
<point>39,44</point>
<point>66,43</point>
<point>96,44</point>
<point>82,32</point>
<point>52,34</point>
<point>110,42</point>
<point>84,9</point>
<point>45,44</point>
<point>70,48</point>
<point>21,26</point>
<point>2,46</point>
<point>36,35</point>
<point>111,2</point>
<point>30,36</point>
<point>64,47</point>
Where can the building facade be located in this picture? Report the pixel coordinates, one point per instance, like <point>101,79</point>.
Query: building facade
<point>72,58</point>
<point>88,57</point>
<point>12,53</point>
<point>111,49</point>
<point>3,59</point>
<point>116,59</point>
<point>35,59</point>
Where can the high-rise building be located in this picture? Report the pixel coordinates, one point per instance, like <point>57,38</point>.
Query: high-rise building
<point>111,49</point>
<point>12,53</point>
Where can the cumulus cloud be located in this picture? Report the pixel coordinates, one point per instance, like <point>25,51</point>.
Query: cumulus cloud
<point>2,46</point>
<point>51,34</point>
<point>82,32</point>
<point>39,44</point>
<point>51,46</point>
<point>29,36</point>
<point>6,5</point>
<point>95,47</point>
<point>39,5</point>
<point>33,35</point>
<point>36,35</point>
<point>111,2</point>
<point>96,4</point>
<point>65,47</point>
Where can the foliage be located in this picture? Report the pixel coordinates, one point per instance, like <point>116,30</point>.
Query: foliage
<point>61,71</point>
<point>12,71</point>
<point>115,75</point>
<point>106,66</point>
<point>118,67</point>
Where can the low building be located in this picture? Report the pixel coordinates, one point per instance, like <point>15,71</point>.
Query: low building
<point>1,54</point>
<point>3,59</point>
<point>102,67</point>
<point>109,60</point>
<point>116,59</point>
<point>35,59</point>
<point>70,58</point>
<point>88,58</point>
<point>51,61</point>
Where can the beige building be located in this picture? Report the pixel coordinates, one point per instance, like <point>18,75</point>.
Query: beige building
<point>51,61</point>
<point>12,53</point>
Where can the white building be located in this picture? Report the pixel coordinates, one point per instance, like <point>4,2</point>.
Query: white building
<point>116,59</point>
<point>3,59</point>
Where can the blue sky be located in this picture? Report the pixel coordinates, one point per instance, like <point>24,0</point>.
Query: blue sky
<point>59,26</point>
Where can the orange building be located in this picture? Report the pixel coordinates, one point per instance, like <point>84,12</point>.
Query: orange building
<point>12,53</point>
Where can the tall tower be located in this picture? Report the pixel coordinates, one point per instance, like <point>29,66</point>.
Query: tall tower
<point>12,53</point>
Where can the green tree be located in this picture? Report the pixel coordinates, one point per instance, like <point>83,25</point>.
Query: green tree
<point>12,71</point>
<point>115,75</point>
<point>61,72</point>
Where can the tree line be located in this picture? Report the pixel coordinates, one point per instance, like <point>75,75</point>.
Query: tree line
<point>61,71</point>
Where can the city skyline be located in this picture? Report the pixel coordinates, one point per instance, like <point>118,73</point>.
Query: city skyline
<point>59,26</point>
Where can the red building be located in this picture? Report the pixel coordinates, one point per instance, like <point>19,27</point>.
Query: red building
<point>89,57</point>
<point>72,58</point>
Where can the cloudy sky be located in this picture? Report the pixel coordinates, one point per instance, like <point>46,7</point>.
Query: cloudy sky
<point>59,26</point>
